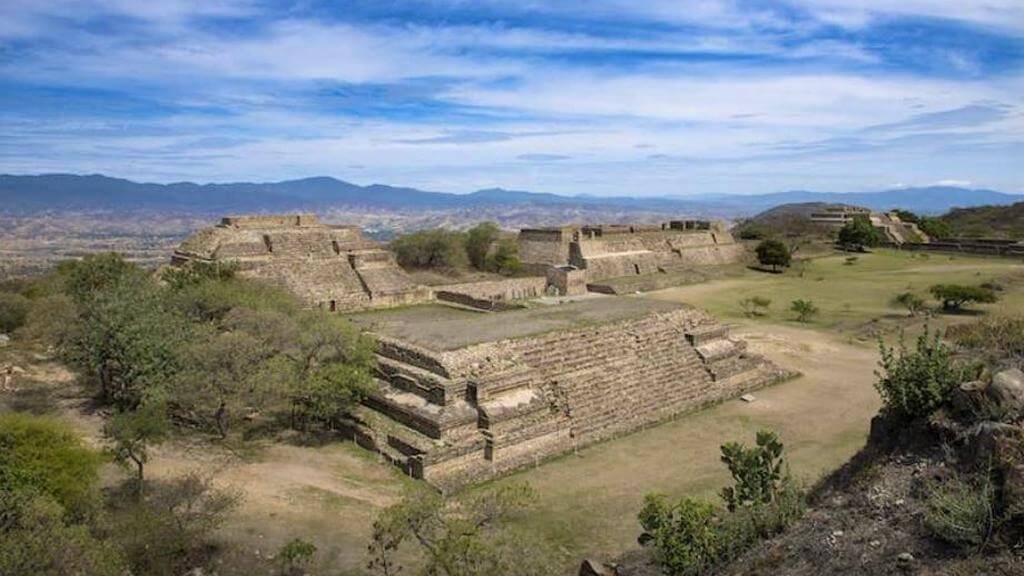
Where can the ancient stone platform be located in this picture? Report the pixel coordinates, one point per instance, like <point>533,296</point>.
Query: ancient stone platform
<point>464,396</point>
<point>333,267</point>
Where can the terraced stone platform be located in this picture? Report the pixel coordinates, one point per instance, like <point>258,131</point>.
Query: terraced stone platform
<point>465,396</point>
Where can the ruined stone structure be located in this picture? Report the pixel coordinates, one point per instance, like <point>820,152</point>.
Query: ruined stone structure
<point>459,412</point>
<point>894,231</point>
<point>610,251</point>
<point>334,267</point>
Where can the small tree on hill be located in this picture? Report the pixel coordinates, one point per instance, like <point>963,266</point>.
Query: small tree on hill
<point>954,296</point>
<point>804,309</point>
<point>773,253</point>
<point>859,233</point>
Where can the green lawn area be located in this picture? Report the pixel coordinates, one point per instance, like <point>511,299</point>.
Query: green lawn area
<point>854,297</point>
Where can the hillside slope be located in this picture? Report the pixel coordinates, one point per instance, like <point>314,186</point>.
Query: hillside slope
<point>987,221</point>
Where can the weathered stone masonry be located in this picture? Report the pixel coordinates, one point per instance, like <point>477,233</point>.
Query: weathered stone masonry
<point>459,416</point>
<point>334,267</point>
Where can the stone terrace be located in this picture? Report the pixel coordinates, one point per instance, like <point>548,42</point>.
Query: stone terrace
<point>464,396</point>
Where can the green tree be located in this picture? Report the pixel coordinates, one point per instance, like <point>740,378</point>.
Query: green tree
<point>465,536</point>
<point>133,432</point>
<point>13,311</point>
<point>914,383</point>
<point>44,456</point>
<point>773,253</point>
<point>478,243</point>
<point>436,248</point>
<point>82,279</point>
<point>804,309</point>
<point>505,258</point>
<point>954,296</point>
<point>125,340</point>
<point>859,232</point>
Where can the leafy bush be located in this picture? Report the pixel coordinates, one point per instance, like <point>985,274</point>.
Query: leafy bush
<point>935,227</point>
<point>912,302</point>
<point>757,472</point>
<point>755,306</point>
<point>804,309</point>
<point>37,538</point>
<point>955,296</point>
<point>961,513</point>
<point>295,556</point>
<point>45,456</point>
<point>436,248</point>
<point>686,535</point>
<point>851,260</point>
<point>773,253</point>
<point>478,243</point>
<point>467,534</point>
<point>693,537</point>
<point>505,259</point>
<point>13,311</point>
<point>914,383</point>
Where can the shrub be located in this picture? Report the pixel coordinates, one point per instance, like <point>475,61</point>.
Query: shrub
<point>912,302</point>
<point>997,338</point>
<point>914,383</point>
<point>804,309</point>
<point>961,513</point>
<point>773,253</point>
<point>756,472</point>
<point>13,311</point>
<point>693,537</point>
<point>45,456</point>
<point>436,248</point>
<point>935,227</point>
<point>37,539</point>
<point>505,258</point>
<point>169,531</point>
<point>851,260</point>
<point>478,243</point>
<point>755,306</point>
<point>686,535</point>
<point>295,556</point>
<point>955,296</point>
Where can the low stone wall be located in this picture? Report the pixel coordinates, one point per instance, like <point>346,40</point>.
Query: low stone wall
<point>1013,250</point>
<point>500,290</point>
<point>485,304</point>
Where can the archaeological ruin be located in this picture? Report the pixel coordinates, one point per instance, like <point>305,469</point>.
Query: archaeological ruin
<point>471,383</point>
<point>333,267</point>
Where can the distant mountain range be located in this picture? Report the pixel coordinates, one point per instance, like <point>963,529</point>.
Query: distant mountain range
<point>80,192</point>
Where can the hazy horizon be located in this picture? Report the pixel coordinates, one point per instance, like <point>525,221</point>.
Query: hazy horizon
<point>660,98</point>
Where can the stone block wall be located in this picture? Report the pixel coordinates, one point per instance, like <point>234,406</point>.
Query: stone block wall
<point>567,280</point>
<point>332,267</point>
<point>506,289</point>
<point>512,403</point>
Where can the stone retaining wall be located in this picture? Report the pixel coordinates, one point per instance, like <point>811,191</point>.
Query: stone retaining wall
<point>512,403</point>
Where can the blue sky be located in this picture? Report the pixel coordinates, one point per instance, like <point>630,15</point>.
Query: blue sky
<point>622,97</point>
